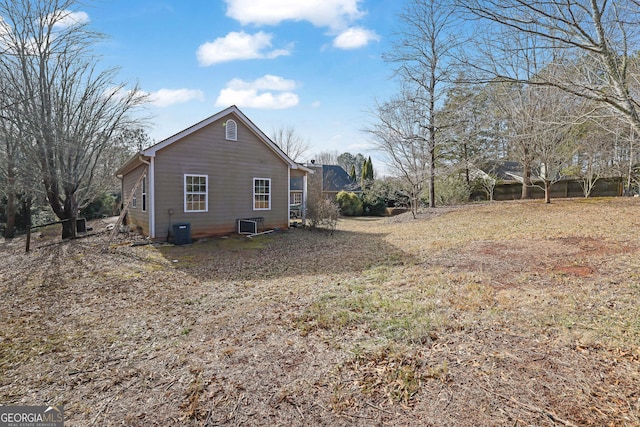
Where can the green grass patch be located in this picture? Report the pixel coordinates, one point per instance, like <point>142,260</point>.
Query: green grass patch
<point>397,314</point>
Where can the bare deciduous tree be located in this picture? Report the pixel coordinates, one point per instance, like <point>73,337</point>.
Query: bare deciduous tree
<point>421,53</point>
<point>70,108</point>
<point>9,171</point>
<point>289,141</point>
<point>586,45</point>
<point>400,138</point>
<point>326,158</point>
<point>594,157</point>
<point>553,115</point>
<point>539,121</point>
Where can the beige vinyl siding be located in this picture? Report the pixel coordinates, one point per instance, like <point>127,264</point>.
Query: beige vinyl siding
<point>136,216</point>
<point>230,167</point>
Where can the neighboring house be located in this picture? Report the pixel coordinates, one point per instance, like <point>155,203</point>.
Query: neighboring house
<point>210,175</point>
<point>328,180</point>
<point>335,179</point>
<point>324,180</point>
<point>510,180</point>
<point>504,171</point>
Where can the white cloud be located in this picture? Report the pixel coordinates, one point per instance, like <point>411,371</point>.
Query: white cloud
<point>67,18</point>
<point>253,99</point>
<point>238,45</point>
<point>334,14</point>
<point>266,82</point>
<point>354,38</point>
<point>166,97</point>
<point>315,104</point>
<point>268,92</point>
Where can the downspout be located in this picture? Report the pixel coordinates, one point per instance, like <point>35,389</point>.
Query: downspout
<point>288,197</point>
<point>150,207</point>
<point>121,178</point>
<point>304,198</point>
<point>152,198</point>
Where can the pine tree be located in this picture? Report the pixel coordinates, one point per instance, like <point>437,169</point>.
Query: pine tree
<point>352,173</point>
<point>369,176</point>
<point>367,173</point>
<point>363,174</point>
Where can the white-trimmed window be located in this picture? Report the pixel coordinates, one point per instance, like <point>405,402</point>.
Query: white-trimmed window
<point>144,194</point>
<point>261,194</point>
<point>195,193</point>
<point>134,200</point>
<point>231,130</point>
<point>297,198</point>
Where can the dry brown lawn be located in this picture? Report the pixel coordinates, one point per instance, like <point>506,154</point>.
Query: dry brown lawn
<point>511,313</point>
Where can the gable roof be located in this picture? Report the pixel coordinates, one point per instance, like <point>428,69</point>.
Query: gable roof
<point>335,178</point>
<point>502,170</point>
<point>152,150</point>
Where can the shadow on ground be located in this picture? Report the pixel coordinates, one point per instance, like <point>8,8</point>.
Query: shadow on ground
<point>297,252</point>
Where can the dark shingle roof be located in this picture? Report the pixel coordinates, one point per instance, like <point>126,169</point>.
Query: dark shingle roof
<point>503,170</point>
<point>334,178</point>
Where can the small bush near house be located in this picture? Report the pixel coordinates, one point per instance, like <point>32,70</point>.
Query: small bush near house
<point>350,204</point>
<point>323,213</point>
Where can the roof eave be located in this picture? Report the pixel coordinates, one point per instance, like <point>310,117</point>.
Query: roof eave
<point>130,165</point>
<point>302,168</point>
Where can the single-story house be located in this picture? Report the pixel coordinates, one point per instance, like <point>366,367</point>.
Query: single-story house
<point>503,171</point>
<point>508,180</point>
<point>209,176</point>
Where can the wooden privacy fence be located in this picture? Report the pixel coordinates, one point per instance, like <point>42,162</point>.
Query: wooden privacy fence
<point>604,187</point>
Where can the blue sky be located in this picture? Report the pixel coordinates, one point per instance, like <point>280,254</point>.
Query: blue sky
<point>315,65</point>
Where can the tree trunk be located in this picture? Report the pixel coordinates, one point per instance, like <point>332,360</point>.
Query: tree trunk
<point>432,174</point>
<point>466,165</point>
<point>631,157</point>
<point>26,207</point>
<point>9,232</point>
<point>71,214</point>
<point>12,209</point>
<point>526,177</point>
<point>547,191</point>
<point>415,194</point>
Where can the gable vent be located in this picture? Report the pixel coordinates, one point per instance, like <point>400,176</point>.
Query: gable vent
<point>231,130</point>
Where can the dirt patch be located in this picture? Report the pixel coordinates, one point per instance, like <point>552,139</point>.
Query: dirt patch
<point>506,262</point>
<point>575,270</point>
